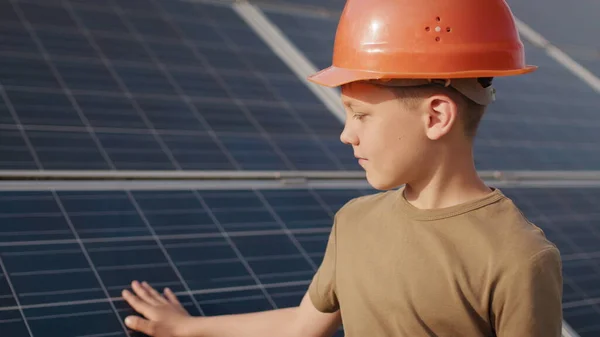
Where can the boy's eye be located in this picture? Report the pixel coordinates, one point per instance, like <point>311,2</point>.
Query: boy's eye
<point>358,116</point>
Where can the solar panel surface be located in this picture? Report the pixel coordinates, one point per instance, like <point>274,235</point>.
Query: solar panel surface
<point>153,85</point>
<point>87,246</point>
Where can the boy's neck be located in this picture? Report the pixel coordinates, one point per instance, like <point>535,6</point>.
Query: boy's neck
<point>448,185</point>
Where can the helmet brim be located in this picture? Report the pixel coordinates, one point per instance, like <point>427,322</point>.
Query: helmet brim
<point>334,76</point>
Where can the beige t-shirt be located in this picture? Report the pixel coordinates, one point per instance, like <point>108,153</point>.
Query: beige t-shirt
<point>471,270</point>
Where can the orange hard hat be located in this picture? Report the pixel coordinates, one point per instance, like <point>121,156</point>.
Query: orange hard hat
<point>433,39</point>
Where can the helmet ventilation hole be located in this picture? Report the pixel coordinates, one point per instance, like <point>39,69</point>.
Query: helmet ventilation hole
<point>438,29</point>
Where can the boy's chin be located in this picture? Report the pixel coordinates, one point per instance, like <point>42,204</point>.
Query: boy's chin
<point>383,183</point>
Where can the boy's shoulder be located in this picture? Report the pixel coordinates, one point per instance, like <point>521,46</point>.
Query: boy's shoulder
<point>514,235</point>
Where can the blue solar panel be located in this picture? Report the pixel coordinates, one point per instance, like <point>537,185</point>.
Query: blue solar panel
<point>90,245</point>
<point>48,235</point>
<point>146,75</point>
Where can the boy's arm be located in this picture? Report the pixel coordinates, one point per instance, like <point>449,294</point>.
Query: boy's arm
<point>528,300</point>
<point>165,317</point>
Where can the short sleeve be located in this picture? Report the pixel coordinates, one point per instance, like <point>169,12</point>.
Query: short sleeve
<point>322,288</point>
<point>528,300</point>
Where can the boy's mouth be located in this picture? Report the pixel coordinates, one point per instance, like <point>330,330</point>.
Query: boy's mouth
<point>361,160</point>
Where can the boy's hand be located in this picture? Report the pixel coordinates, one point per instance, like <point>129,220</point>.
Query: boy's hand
<point>165,316</point>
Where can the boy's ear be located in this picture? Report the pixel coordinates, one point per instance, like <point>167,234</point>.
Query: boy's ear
<point>441,113</point>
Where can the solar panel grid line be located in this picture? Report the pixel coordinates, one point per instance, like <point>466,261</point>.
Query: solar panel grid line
<point>108,334</point>
<point>579,256</point>
<point>237,252</point>
<point>19,127</point>
<point>88,259</point>
<point>582,303</point>
<point>15,297</point>
<point>49,272</point>
<point>358,176</point>
<point>246,233</point>
<point>58,77</point>
<point>322,202</point>
<point>49,90</point>
<point>122,85</point>
<point>141,64</point>
<point>164,251</point>
<point>535,144</point>
<point>69,315</point>
<point>177,88</point>
<point>158,96</point>
<point>182,294</point>
<point>223,84</point>
<point>285,229</point>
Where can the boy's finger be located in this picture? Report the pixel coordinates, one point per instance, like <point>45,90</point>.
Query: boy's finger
<point>153,292</point>
<point>136,303</point>
<point>142,293</point>
<point>139,324</point>
<point>172,298</point>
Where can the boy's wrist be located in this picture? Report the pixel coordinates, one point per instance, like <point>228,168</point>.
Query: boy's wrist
<point>190,327</point>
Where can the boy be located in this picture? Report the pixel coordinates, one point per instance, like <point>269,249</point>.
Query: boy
<point>445,255</point>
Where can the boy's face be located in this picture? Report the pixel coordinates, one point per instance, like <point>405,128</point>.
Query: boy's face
<point>389,138</point>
